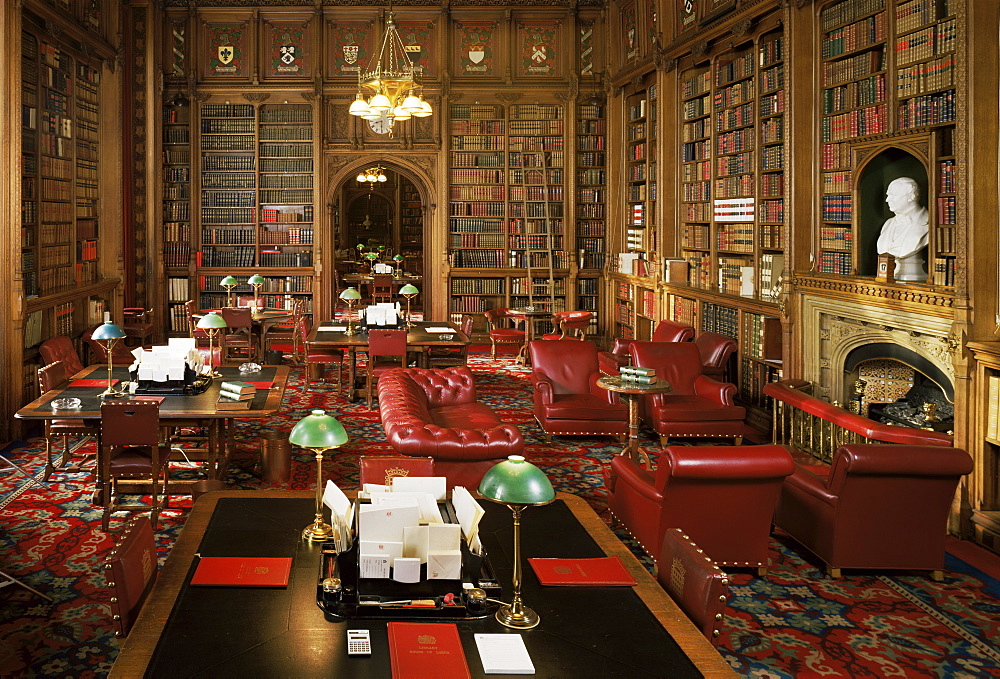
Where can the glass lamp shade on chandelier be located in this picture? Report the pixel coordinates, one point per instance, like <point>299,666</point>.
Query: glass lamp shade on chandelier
<point>390,89</point>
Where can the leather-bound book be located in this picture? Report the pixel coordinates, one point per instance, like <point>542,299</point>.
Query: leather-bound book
<point>426,649</point>
<point>599,571</point>
<point>242,571</point>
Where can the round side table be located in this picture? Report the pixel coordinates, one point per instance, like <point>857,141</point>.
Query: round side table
<point>631,391</point>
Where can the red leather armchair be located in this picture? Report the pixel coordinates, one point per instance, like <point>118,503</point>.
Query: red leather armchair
<point>696,405</point>
<point>501,326</point>
<point>666,331</point>
<point>60,348</point>
<point>433,412</point>
<point>715,350</point>
<point>567,398</point>
<point>881,506</point>
<point>692,580</point>
<point>723,497</point>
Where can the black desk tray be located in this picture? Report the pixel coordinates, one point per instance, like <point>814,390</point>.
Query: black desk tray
<point>191,385</point>
<point>369,598</point>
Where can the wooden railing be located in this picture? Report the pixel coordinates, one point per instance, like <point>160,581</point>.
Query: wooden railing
<point>819,428</point>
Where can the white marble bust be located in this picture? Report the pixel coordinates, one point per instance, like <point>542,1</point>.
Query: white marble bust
<point>905,235</point>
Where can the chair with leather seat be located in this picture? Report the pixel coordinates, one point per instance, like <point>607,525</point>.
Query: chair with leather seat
<point>694,582</point>
<point>501,324</point>
<point>60,348</point>
<point>285,334</point>
<point>881,506</point>
<point>194,332</point>
<point>715,350</point>
<point>130,572</point>
<point>386,350</point>
<point>382,469</point>
<point>665,331</point>
<point>570,325</point>
<point>50,377</point>
<point>132,447</point>
<point>138,325</point>
<point>316,358</point>
<point>121,354</point>
<point>238,343</point>
<point>723,497</point>
<point>696,405</point>
<point>444,357</point>
<point>566,396</point>
<point>382,288</point>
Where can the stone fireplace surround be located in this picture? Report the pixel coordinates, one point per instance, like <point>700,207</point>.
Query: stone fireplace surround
<point>833,328</point>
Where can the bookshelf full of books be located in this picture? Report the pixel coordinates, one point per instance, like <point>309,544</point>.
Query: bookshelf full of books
<point>411,227</point>
<point>640,169</point>
<point>59,270</point>
<point>257,202</point>
<point>591,182</point>
<point>732,151</point>
<point>886,69</point>
<point>507,207</point>
<point>177,198</point>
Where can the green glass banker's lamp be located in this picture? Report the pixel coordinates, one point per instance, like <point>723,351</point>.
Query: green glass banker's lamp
<point>399,264</point>
<point>318,432</point>
<point>350,297</point>
<point>256,282</point>
<point>229,282</point>
<point>409,291</point>
<point>108,334</point>
<point>518,484</point>
<point>212,323</point>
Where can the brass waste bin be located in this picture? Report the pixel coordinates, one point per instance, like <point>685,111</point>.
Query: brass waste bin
<point>275,458</point>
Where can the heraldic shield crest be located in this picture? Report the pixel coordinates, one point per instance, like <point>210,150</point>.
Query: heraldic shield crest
<point>351,53</point>
<point>287,54</point>
<point>476,54</point>
<point>226,54</point>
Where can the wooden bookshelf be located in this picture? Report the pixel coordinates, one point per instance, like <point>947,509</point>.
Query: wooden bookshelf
<point>887,70</point>
<point>411,227</point>
<point>177,212</point>
<point>591,191</point>
<point>640,170</point>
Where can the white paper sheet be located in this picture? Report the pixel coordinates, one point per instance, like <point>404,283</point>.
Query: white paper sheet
<point>504,654</point>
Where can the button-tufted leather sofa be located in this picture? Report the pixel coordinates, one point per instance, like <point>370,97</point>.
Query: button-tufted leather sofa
<point>433,412</point>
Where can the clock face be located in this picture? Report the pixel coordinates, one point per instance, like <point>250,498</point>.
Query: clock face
<point>381,125</point>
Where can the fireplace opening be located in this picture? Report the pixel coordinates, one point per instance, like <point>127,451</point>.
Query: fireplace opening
<point>894,385</point>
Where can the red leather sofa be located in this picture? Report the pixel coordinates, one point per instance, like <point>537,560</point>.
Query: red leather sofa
<point>723,497</point>
<point>433,412</point>
<point>880,506</point>
<point>666,331</point>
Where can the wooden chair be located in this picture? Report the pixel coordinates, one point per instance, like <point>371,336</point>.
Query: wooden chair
<point>570,325</point>
<point>130,572</point>
<point>317,358</point>
<point>60,348</point>
<point>386,350</point>
<point>444,357</point>
<point>285,334</point>
<point>501,323</point>
<point>131,447</point>
<point>381,469</point>
<point>194,332</point>
<point>381,289</point>
<point>238,341</point>
<point>121,354</point>
<point>137,324</point>
<point>50,377</point>
<point>693,580</point>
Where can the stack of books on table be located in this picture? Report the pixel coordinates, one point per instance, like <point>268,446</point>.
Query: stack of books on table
<point>630,373</point>
<point>235,395</point>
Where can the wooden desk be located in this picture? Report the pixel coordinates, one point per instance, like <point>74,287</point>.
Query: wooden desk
<point>417,339</point>
<point>584,631</point>
<point>199,408</point>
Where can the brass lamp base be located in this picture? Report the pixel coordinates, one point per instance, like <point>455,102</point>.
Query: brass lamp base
<point>523,618</point>
<point>318,531</point>
<point>112,393</point>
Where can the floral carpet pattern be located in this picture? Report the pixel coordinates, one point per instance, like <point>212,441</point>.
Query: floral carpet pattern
<point>795,622</point>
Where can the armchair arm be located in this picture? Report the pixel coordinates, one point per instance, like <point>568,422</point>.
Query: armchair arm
<point>721,392</point>
<point>543,385</point>
<point>803,482</point>
<point>632,475</point>
<point>607,394</point>
<point>621,346</point>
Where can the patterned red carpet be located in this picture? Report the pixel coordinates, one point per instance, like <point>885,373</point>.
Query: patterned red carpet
<point>796,622</point>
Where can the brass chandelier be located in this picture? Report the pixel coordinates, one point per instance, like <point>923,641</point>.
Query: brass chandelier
<point>391,82</point>
<point>372,174</point>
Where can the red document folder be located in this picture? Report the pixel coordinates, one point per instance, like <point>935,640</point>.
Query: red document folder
<point>426,649</point>
<point>605,570</point>
<point>92,383</point>
<point>242,571</point>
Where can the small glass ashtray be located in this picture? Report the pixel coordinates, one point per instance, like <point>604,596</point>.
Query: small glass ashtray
<point>65,403</point>
<point>248,368</point>
<point>447,337</point>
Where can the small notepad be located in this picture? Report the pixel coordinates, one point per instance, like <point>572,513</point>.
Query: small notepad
<point>440,330</point>
<point>504,654</point>
<point>333,328</point>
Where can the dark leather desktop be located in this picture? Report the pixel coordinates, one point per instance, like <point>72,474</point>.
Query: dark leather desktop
<point>584,632</point>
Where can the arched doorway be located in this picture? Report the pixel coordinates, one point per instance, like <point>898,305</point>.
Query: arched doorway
<point>381,219</point>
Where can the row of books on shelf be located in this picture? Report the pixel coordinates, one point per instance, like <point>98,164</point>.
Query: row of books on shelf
<point>295,235</point>
<point>853,68</point>
<point>837,207</point>
<point>857,123</point>
<point>944,239</point>
<point>836,237</point>
<point>720,319</point>
<point>927,109</point>
<point>926,43</point>
<point>867,31</point>
<point>944,271</point>
<point>176,254</point>
<point>753,377</point>
<point>834,262</point>
<point>926,77</point>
